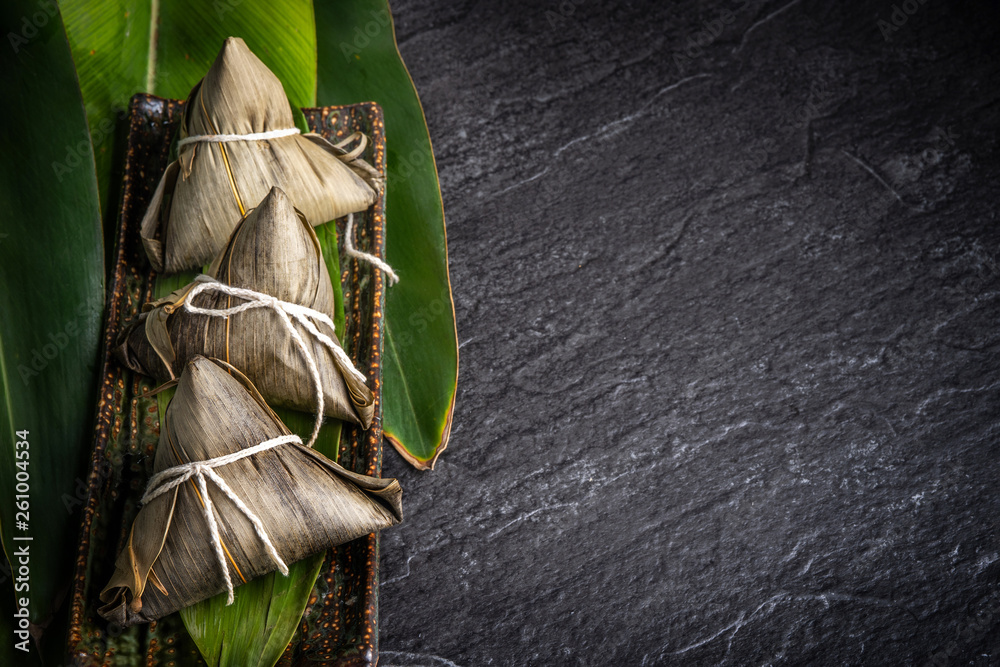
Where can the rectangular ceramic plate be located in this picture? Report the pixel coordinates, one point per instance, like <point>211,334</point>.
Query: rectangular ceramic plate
<point>339,626</point>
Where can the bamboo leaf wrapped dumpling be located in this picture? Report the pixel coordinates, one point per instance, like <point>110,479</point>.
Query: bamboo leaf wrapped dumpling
<point>295,501</point>
<point>273,251</point>
<point>222,170</point>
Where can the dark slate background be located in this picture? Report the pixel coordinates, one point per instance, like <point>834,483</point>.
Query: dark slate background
<point>727,289</point>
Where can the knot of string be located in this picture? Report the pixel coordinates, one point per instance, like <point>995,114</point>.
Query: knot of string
<point>201,471</point>
<point>286,312</point>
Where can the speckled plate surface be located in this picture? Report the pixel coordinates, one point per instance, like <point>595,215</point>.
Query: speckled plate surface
<point>339,626</point>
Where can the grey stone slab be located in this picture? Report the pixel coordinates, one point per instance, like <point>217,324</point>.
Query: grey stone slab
<point>727,289</point>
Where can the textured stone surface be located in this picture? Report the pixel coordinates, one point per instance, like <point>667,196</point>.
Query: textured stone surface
<point>729,381</point>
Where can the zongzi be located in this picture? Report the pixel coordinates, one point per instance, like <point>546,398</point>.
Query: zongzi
<point>280,333</point>
<point>237,139</point>
<point>234,495</point>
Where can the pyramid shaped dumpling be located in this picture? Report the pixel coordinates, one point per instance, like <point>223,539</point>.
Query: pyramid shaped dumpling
<point>210,187</point>
<point>305,502</point>
<point>272,251</point>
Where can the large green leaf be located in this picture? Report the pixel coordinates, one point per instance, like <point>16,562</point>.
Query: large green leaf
<point>123,47</point>
<point>51,269</point>
<point>359,61</point>
<point>110,41</point>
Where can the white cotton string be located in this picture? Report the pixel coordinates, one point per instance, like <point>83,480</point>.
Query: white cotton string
<point>224,138</point>
<point>180,473</point>
<point>171,478</point>
<point>364,256</point>
<point>286,311</point>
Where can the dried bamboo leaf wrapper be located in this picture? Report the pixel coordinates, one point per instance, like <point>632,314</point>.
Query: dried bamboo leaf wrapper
<point>209,188</point>
<point>273,242</point>
<point>306,502</point>
<point>272,251</point>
